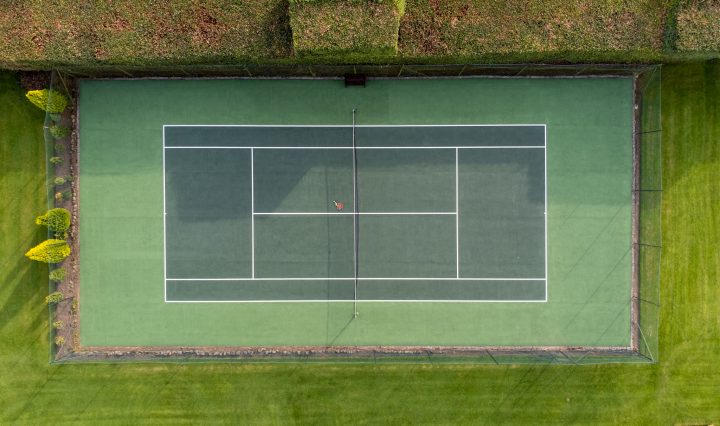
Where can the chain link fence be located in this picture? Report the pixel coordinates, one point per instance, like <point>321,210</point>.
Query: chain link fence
<point>647,232</point>
<point>377,71</point>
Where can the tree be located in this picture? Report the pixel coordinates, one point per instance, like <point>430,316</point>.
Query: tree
<point>57,220</point>
<point>49,251</point>
<point>50,101</point>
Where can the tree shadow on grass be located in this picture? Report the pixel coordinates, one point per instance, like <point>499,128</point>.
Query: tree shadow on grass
<point>26,278</point>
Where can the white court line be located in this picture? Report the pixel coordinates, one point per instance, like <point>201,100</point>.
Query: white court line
<point>356,209</point>
<point>457,217</point>
<point>546,215</point>
<point>164,222</point>
<point>360,279</point>
<point>252,148</point>
<point>351,213</point>
<point>359,125</point>
<point>252,209</point>
<point>360,300</point>
<point>360,147</point>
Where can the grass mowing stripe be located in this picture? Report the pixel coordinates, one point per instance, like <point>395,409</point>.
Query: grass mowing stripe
<point>690,321</point>
<point>23,284</point>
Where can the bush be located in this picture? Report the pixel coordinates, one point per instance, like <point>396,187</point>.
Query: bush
<point>61,180</point>
<point>57,220</point>
<point>58,132</point>
<point>56,160</point>
<point>49,251</point>
<point>54,298</point>
<point>57,275</point>
<point>59,148</point>
<point>50,101</point>
<point>58,325</point>
<point>349,28</point>
<point>59,340</point>
<point>62,195</point>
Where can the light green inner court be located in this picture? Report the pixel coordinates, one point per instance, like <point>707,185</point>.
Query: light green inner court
<point>461,219</point>
<point>589,173</point>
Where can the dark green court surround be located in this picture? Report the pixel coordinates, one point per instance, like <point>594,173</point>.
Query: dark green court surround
<point>199,194</point>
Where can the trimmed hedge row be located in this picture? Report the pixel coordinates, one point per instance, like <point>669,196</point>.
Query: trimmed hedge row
<point>86,35</point>
<point>477,27</point>
<point>345,27</point>
<point>698,26</point>
<point>142,32</point>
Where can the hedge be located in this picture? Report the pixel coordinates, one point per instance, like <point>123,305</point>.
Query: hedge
<point>142,32</point>
<point>159,37</point>
<point>476,27</point>
<point>345,27</point>
<point>698,26</point>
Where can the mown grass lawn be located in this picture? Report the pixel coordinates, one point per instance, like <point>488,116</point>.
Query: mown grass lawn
<point>683,388</point>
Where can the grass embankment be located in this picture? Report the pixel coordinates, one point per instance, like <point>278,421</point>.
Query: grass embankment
<point>682,388</point>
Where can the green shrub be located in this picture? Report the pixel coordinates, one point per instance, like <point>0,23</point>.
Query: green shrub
<point>50,101</point>
<point>349,28</point>
<point>59,148</point>
<point>54,298</point>
<point>49,251</point>
<point>58,325</point>
<point>57,220</point>
<point>57,275</point>
<point>58,132</point>
<point>61,180</point>
<point>62,195</point>
<point>59,340</point>
<point>56,160</point>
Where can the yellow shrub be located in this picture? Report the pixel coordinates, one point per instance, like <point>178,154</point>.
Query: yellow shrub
<point>49,251</point>
<point>51,101</point>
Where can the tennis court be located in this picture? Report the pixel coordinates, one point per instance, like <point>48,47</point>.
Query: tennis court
<point>450,212</point>
<point>444,213</point>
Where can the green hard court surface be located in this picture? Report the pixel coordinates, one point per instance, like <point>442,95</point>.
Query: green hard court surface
<point>207,213</point>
